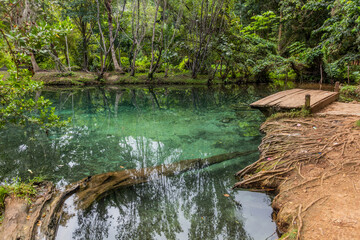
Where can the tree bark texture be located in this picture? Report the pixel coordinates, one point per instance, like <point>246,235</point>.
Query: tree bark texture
<point>34,64</point>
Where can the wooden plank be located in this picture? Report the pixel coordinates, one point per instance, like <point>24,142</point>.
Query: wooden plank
<point>292,100</point>
<point>324,102</point>
<point>267,101</point>
<point>295,99</point>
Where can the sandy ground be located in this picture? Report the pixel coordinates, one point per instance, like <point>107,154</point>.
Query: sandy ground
<point>341,109</point>
<point>322,199</point>
<point>326,195</point>
<point>319,197</point>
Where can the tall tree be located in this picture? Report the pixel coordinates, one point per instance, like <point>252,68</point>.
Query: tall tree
<point>206,20</point>
<point>108,6</point>
<point>83,13</point>
<point>139,26</point>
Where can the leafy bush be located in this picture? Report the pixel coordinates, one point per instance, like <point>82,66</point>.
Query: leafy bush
<point>17,106</point>
<point>349,93</point>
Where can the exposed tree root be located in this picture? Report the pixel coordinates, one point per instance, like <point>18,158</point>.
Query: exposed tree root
<point>289,147</point>
<point>290,143</point>
<point>47,208</point>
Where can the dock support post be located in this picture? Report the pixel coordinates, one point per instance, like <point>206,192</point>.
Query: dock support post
<point>307,101</point>
<point>337,87</point>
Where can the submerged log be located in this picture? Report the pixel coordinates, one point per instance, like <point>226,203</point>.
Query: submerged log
<point>47,211</point>
<point>92,188</point>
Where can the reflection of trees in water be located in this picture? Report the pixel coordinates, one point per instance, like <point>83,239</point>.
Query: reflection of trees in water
<point>99,139</point>
<point>182,207</point>
<point>100,100</point>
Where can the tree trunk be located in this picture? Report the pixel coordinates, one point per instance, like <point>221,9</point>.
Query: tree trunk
<point>34,64</point>
<point>151,70</point>
<point>67,53</point>
<point>166,71</point>
<point>102,61</point>
<point>111,38</point>
<point>85,47</point>
<point>120,64</point>
<point>133,64</point>
<point>321,76</point>
<point>280,33</point>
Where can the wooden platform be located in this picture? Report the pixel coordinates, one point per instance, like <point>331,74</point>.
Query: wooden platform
<point>295,99</point>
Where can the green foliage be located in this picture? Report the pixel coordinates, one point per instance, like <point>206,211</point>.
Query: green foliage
<point>250,39</point>
<point>3,193</point>
<point>18,107</point>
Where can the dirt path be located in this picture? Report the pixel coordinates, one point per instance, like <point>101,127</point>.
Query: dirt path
<point>341,109</point>
<point>313,165</point>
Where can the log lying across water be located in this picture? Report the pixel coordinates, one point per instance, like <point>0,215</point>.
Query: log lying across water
<point>45,213</point>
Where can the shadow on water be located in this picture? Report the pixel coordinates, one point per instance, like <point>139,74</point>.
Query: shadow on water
<point>124,128</point>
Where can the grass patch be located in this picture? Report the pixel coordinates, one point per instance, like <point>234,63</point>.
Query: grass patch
<point>69,78</point>
<point>65,74</point>
<point>292,114</point>
<point>357,124</point>
<point>18,188</point>
<point>292,234</point>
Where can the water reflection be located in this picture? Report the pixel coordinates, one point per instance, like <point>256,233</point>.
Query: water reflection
<point>129,128</point>
<point>189,206</point>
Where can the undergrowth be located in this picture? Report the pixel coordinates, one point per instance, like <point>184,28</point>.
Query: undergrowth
<point>19,189</point>
<point>292,114</point>
<point>350,93</point>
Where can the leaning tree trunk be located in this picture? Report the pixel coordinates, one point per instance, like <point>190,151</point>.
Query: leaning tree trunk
<point>34,64</point>
<point>41,222</point>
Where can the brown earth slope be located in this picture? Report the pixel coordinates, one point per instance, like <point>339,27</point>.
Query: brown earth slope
<point>313,165</point>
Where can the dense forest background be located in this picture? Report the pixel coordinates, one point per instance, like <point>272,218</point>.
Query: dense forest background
<point>315,40</point>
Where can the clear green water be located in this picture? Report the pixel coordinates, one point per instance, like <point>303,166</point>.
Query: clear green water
<point>138,127</point>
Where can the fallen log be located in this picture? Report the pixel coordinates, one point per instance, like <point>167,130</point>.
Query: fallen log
<point>44,215</point>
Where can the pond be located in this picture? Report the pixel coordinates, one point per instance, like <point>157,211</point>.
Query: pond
<point>117,128</point>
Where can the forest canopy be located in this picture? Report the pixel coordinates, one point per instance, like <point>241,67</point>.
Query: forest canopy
<point>241,39</point>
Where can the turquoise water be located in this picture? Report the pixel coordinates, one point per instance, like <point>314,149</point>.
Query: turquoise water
<point>122,128</point>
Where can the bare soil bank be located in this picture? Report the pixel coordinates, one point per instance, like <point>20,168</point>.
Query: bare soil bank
<point>313,165</point>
